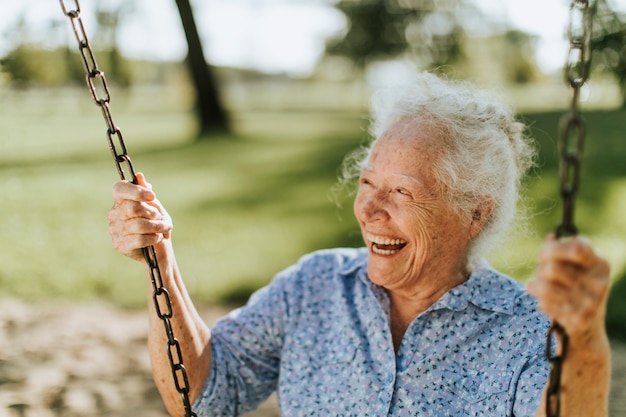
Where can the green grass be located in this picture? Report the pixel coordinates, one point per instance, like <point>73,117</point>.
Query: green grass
<point>244,207</point>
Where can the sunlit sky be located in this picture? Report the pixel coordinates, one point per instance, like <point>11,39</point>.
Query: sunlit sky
<point>270,35</point>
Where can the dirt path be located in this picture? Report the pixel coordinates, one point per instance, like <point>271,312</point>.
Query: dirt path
<point>60,360</point>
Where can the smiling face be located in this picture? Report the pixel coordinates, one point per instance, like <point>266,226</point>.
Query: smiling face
<point>416,241</point>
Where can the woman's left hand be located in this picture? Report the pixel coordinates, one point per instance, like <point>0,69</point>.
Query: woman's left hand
<point>572,285</point>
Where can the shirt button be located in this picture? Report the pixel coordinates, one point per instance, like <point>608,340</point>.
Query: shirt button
<point>473,388</point>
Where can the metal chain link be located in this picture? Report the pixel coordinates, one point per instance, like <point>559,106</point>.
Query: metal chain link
<point>571,145</point>
<point>160,296</point>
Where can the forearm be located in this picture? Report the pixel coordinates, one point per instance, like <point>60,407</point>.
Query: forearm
<point>187,327</point>
<point>585,379</point>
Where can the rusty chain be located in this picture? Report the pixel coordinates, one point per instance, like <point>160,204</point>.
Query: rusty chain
<point>571,145</point>
<point>160,296</point>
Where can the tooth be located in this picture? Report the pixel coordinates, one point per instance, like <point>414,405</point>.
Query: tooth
<point>384,251</point>
<point>384,241</point>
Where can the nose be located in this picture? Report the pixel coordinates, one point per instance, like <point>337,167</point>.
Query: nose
<point>371,207</point>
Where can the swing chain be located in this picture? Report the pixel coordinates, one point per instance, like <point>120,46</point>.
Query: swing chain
<point>160,296</point>
<point>572,126</point>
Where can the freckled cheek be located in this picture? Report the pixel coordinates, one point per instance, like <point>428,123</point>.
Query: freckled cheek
<point>419,228</point>
<point>416,219</point>
<point>450,229</point>
<point>424,244</point>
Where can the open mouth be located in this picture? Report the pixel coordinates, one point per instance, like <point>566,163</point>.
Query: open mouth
<point>386,246</point>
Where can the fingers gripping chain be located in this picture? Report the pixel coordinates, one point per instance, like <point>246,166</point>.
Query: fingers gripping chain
<point>102,97</point>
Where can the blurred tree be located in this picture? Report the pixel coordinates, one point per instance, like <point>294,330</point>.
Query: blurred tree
<point>27,66</point>
<point>609,44</point>
<point>32,63</point>
<point>373,32</point>
<point>74,69</point>
<point>109,19</point>
<point>518,54</point>
<point>430,30</point>
<point>507,56</point>
<point>212,116</point>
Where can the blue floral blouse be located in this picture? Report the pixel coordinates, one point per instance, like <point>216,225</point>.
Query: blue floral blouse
<point>319,335</point>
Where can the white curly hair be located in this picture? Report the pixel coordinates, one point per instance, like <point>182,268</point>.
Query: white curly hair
<point>486,155</point>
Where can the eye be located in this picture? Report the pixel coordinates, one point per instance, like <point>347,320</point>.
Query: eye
<point>402,191</point>
<point>363,181</point>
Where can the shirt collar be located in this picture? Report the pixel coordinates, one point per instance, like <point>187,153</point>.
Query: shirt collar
<point>486,288</point>
<point>352,263</point>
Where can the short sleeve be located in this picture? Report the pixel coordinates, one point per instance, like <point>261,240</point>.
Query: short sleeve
<point>246,347</point>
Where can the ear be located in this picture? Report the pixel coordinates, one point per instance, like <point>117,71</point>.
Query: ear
<point>480,214</point>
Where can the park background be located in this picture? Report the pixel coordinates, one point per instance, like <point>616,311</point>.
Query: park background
<point>252,193</point>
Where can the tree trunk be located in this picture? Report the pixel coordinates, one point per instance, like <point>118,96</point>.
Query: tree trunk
<point>212,116</point>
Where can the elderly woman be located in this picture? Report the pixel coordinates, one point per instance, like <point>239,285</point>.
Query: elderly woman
<point>415,323</point>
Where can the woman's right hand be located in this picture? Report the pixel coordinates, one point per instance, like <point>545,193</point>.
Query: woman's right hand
<point>137,219</point>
